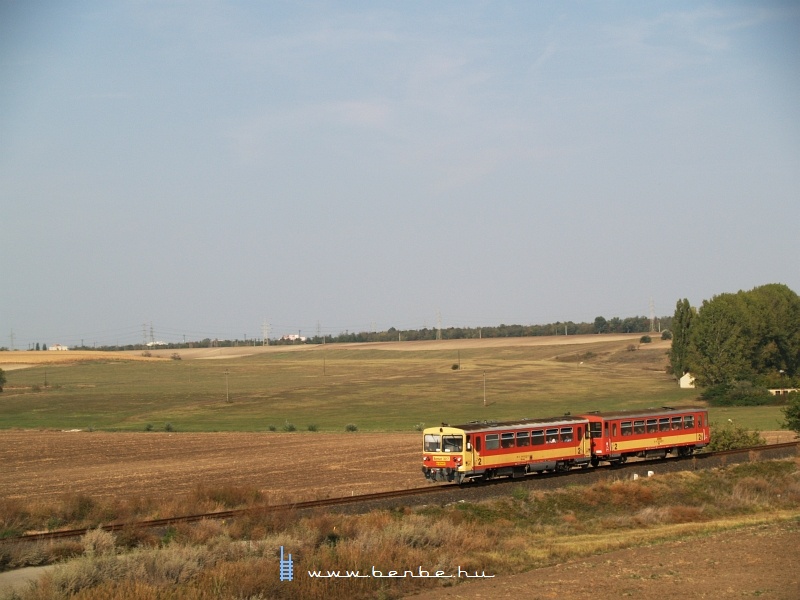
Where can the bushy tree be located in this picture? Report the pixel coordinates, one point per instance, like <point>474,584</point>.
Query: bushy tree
<point>600,325</point>
<point>792,412</point>
<point>741,337</point>
<point>2,379</point>
<point>732,437</point>
<point>739,393</point>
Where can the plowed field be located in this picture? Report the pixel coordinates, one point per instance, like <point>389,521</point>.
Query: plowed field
<point>286,466</point>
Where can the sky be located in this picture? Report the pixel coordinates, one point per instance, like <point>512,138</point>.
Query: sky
<point>203,169</point>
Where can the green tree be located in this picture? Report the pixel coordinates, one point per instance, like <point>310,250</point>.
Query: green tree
<point>774,327</point>
<point>792,412</point>
<point>2,379</point>
<point>600,325</point>
<point>748,336</point>
<point>681,324</point>
<point>718,344</point>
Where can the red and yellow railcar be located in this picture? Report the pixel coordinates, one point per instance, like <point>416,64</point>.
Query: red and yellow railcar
<point>650,433</point>
<point>513,448</point>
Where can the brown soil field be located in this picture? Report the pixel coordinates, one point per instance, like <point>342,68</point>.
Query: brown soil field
<point>285,466</point>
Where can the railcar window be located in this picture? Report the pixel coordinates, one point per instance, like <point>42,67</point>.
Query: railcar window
<point>663,424</point>
<point>614,429</point>
<point>626,428</point>
<point>638,427</point>
<point>478,443</point>
<point>688,422</point>
<point>596,430</point>
<point>699,420</point>
<point>566,434</point>
<point>652,425</point>
<point>432,442</point>
<point>523,438</point>
<point>452,443</point>
<point>580,433</point>
<point>676,422</point>
<point>492,441</point>
<point>552,436</point>
<point>507,440</point>
<point>537,437</point>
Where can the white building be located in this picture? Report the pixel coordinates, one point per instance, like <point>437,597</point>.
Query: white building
<point>57,347</point>
<point>293,337</point>
<point>687,381</point>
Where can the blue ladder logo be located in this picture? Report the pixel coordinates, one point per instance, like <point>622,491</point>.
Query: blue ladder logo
<point>287,567</point>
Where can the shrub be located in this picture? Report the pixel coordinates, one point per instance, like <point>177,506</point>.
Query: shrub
<point>169,427</point>
<point>272,428</point>
<point>645,339</point>
<point>351,427</point>
<point>97,541</point>
<point>289,427</point>
<point>732,437</point>
<point>148,427</point>
<point>739,393</point>
<point>666,334</point>
<point>791,412</point>
<point>313,427</point>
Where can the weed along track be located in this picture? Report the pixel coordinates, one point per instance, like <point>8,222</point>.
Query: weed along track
<point>451,493</point>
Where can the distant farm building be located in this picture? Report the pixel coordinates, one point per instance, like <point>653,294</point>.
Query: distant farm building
<point>687,381</point>
<point>57,347</point>
<point>293,337</point>
<point>782,391</point>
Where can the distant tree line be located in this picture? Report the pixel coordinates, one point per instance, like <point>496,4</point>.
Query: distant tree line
<point>599,325</point>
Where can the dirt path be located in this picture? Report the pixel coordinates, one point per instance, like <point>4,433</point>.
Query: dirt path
<point>755,562</point>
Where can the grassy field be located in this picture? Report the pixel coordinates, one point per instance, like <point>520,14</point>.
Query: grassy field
<point>386,387</point>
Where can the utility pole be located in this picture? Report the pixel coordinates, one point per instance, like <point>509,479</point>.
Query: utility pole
<point>652,316</point>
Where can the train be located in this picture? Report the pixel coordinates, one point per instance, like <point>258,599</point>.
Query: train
<point>482,450</point>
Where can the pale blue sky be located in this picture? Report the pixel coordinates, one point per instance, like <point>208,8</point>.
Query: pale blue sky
<point>208,166</point>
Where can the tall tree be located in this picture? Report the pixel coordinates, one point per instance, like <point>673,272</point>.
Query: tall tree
<point>681,324</point>
<point>718,342</point>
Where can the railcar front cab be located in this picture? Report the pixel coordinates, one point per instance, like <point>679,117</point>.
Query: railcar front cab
<point>652,433</point>
<point>446,454</point>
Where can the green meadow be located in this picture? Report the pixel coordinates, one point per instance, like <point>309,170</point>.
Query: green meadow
<point>329,387</point>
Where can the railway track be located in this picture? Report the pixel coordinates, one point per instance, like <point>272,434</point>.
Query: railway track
<point>450,492</point>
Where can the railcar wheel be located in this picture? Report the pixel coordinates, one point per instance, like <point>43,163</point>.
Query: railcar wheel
<point>595,461</point>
